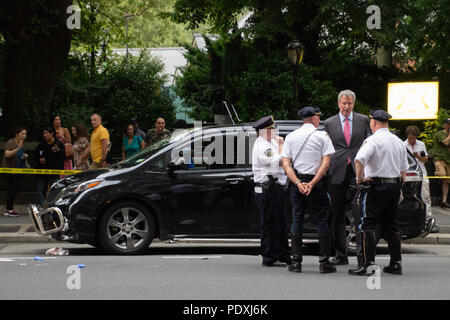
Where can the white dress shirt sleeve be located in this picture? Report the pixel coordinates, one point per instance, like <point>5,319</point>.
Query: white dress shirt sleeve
<point>365,152</point>
<point>287,148</point>
<point>327,146</point>
<point>265,160</point>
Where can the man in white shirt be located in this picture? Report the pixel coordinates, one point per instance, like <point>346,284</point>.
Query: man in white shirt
<point>382,162</point>
<point>419,151</point>
<point>309,150</point>
<point>269,178</point>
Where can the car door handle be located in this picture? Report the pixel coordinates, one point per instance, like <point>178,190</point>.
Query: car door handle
<point>234,180</point>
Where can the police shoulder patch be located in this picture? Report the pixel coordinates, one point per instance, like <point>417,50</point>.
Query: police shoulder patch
<point>268,152</point>
<point>364,143</point>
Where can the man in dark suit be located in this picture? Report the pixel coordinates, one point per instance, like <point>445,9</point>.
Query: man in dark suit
<point>347,130</point>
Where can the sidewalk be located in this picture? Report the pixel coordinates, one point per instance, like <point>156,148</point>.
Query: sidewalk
<point>21,230</point>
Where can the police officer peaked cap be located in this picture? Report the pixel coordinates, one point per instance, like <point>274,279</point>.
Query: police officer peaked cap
<point>265,123</point>
<point>310,111</point>
<point>379,115</point>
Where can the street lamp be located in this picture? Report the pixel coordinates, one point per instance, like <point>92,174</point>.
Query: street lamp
<point>295,51</point>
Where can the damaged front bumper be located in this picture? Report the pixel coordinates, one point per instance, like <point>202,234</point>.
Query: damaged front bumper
<point>48,222</point>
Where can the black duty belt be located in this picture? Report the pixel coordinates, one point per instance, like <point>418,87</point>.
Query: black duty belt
<point>268,184</point>
<point>302,177</point>
<point>378,180</point>
<point>306,176</point>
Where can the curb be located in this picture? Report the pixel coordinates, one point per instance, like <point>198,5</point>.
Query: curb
<point>32,237</point>
<point>433,238</point>
<point>22,236</point>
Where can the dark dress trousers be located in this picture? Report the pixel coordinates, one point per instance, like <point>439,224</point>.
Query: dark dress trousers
<point>341,175</point>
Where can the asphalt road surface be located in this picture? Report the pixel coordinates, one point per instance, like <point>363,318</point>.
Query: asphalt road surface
<point>210,271</point>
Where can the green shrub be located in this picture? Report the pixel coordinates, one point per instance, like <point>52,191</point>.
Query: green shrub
<point>431,127</point>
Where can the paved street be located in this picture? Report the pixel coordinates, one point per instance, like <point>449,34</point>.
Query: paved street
<point>207,271</point>
<point>185,271</point>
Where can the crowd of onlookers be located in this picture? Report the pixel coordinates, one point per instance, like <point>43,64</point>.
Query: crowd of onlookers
<point>61,149</point>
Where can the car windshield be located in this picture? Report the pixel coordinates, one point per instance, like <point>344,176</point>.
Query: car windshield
<point>150,150</point>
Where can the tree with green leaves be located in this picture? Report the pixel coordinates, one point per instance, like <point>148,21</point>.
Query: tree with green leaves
<point>36,42</point>
<point>253,72</point>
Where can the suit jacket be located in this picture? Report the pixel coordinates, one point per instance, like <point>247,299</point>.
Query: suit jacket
<point>338,162</point>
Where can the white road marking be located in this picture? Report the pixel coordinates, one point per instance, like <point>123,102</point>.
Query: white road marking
<point>24,258</point>
<point>192,257</point>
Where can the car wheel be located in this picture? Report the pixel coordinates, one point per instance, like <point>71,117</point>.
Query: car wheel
<point>126,228</point>
<point>350,233</point>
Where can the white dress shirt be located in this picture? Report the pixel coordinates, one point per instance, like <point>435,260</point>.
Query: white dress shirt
<point>266,161</point>
<point>318,145</point>
<point>383,155</point>
<point>418,147</point>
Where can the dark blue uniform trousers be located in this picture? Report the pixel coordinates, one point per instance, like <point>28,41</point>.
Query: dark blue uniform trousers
<point>273,224</point>
<point>380,206</point>
<point>319,201</point>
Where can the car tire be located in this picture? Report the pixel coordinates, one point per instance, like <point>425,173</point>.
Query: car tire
<point>350,233</point>
<point>126,228</point>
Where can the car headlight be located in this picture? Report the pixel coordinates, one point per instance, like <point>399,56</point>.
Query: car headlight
<point>87,185</point>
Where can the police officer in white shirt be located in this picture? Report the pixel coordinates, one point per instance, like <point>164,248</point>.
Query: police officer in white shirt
<point>306,158</point>
<point>381,162</point>
<point>269,178</point>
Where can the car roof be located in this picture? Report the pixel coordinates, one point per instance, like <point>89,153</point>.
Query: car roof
<point>284,125</point>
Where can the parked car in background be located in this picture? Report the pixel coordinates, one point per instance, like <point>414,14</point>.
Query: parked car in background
<point>196,184</point>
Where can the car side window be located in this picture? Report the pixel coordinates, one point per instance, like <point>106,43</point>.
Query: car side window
<point>214,149</point>
<point>157,165</point>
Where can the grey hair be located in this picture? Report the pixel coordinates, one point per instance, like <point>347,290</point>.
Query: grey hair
<point>348,93</point>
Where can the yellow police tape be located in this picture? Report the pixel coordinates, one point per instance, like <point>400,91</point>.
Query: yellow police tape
<point>441,177</point>
<point>68,172</point>
<point>38,171</point>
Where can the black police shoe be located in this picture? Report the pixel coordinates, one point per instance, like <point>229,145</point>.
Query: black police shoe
<point>393,268</point>
<point>362,270</point>
<point>339,261</point>
<point>274,264</point>
<point>327,267</point>
<point>295,267</point>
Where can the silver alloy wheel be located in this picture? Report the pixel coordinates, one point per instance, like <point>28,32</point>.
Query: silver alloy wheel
<point>127,228</point>
<point>350,232</point>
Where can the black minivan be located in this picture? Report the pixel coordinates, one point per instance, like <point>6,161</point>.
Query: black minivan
<point>195,184</point>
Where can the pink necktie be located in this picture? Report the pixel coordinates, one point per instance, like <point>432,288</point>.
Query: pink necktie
<point>347,135</point>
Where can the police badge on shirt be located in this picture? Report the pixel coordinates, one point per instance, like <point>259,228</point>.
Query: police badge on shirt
<point>268,152</point>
